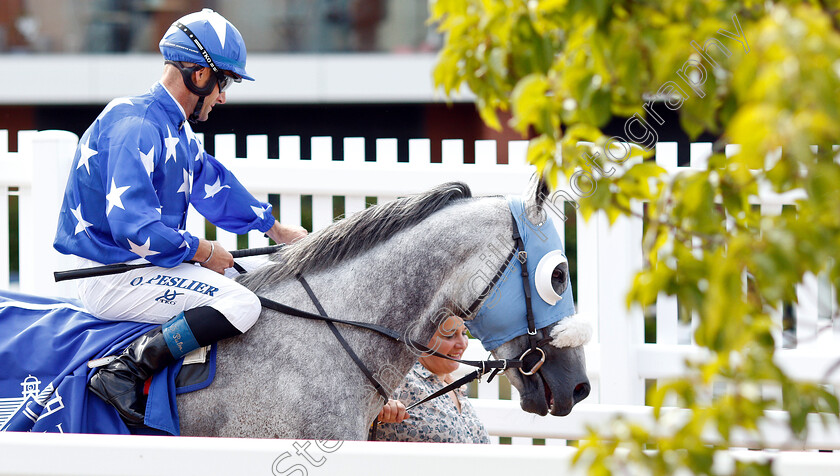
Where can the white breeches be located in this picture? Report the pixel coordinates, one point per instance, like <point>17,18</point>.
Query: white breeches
<point>156,294</point>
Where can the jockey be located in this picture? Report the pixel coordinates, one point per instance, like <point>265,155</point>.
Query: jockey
<point>136,171</point>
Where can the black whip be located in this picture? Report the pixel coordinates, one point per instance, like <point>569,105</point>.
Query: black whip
<point>109,269</point>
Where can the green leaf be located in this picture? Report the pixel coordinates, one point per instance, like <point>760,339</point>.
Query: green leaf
<point>530,103</point>
<point>540,151</point>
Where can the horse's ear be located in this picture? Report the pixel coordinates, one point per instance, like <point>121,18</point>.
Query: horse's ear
<point>535,194</point>
<point>537,191</point>
<point>542,191</point>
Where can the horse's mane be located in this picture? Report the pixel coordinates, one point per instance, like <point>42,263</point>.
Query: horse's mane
<point>355,234</point>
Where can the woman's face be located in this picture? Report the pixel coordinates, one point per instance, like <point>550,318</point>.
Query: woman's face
<point>450,339</point>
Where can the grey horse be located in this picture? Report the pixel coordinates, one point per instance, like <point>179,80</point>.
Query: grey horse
<point>399,265</point>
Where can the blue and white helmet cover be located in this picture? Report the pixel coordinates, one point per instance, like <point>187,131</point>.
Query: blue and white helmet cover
<point>218,36</point>
<point>503,316</point>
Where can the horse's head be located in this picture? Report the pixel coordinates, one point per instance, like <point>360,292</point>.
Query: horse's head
<point>531,315</point>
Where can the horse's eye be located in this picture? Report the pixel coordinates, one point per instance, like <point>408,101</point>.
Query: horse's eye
<point>552,276</point>
<point>559,280</point>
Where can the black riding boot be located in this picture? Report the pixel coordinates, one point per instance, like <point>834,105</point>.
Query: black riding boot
<point>120,382</point>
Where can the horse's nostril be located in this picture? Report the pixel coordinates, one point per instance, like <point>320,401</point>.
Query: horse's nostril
<point>581,391</point>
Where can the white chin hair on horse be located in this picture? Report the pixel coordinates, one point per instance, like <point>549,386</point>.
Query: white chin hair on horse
<point>571,331</point>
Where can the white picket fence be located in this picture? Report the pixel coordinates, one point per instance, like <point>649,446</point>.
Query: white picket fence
<point>619,362</point>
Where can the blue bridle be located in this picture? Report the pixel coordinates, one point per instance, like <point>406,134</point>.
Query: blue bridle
<point>513,307</point>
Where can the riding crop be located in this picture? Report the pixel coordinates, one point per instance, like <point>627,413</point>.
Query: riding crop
<point>109,269</point>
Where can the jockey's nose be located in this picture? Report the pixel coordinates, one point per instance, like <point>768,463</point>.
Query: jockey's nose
<point>222,98</point>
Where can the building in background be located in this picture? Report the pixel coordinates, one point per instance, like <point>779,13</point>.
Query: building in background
<point>342,68</point>
<point>271,26</point>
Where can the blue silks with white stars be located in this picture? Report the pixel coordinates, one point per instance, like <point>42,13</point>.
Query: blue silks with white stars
<point>137,169</point>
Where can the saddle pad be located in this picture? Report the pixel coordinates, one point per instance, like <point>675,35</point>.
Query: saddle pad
<point>197,370</point>
<point>45,345</point>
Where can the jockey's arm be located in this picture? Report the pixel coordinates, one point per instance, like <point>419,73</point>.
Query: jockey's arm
<point>286,233</point>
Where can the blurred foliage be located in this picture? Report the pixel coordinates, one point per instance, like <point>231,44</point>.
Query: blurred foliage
<point>764,75</point>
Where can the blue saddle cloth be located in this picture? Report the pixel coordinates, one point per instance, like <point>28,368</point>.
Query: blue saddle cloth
<point>45,345</point>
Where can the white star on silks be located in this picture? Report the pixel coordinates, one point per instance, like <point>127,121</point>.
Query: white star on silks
<point>114,197</point>
<point>85,154</point>
<point>183,243</point>
<point>186,186</point>
<point>82,224</point>
<point>116,102</point>
<point>219,24</point>
<point>170,142</point>
<point>190,134</point>
<point>211,190</point>
<point>199,155</point>
<point>142,250</point>
<point>260,211</point>
<point>148,160</point>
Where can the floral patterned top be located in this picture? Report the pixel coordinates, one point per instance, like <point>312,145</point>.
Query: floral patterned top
<point>436,421</point>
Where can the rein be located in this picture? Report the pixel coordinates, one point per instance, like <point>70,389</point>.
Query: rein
<point>482,365</point>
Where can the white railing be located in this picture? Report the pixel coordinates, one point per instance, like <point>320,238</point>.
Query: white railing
<point>32,454</point>
<point>618,360</point>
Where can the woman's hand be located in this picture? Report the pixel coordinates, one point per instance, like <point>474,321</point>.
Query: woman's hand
<point>393,412</point>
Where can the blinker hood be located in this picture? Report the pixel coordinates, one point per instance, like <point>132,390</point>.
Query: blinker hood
<point>503,315</point>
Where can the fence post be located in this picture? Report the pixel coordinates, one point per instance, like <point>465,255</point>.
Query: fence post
<point>354,155</point>
<point>621,331</point>
<point>5,232</point>
<point>290,209</point>
<point>257,152</point>
<point>50,158</point>
<point>322,204</point>
<point>386,156</point>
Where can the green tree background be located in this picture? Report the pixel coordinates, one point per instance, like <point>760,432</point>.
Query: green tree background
<point>762,74</point>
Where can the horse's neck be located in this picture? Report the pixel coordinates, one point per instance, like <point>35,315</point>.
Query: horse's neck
<point>404,284</point>
<point>387,287</point>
